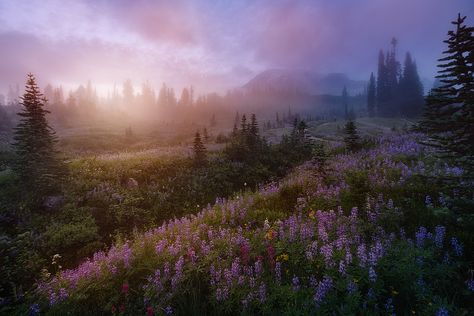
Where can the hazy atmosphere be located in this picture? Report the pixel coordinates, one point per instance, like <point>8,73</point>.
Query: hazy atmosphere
<point>215,45</point>
<point>270,157</point>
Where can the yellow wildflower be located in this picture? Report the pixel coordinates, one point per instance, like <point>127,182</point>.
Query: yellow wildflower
<point>269,235</point>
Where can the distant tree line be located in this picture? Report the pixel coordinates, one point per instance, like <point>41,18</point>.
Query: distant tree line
<point>395,91</point>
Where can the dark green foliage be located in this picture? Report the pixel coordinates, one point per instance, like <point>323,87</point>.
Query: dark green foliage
<point>397,94</point>
<point>200,153</point>
<point>382,85</point>
<point>351,137</point>
<point>449,113</point>
<point>411,90</point>
<point>320,156</point>
<point>371,91</point>
<point>345,102</point>
<point>5,122</point>
<point>37,165</point>
<point>387,82</point>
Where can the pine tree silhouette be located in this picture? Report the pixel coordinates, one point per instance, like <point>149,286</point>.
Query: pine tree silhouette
<point>371,96</point>
<point>351,136</point>
<point>200,153</point>
<point>37,165</point>
<point>449,112</point>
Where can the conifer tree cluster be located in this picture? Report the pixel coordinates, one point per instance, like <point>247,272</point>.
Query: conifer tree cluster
<point>37,165</point>
<point>397,91</point>
<point>449,112</point>
<point>246,142</point>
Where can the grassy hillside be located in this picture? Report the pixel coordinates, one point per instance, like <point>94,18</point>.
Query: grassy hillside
<point>362,233</point>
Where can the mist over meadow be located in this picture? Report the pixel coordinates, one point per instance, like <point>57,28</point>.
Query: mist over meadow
<point>236,157</point>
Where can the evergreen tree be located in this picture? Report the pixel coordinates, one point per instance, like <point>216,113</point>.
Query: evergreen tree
<point>163,96</point>
<point>345,102</point>
<point>382,96</point>
<point>243,126</point>
<point>319,156</point>
<point>185,99</point>
<point>237,118</point>
<point>37,165</point>
<point>351,136</point>
<point>213,121</point>
<point>371,91</point>
<point>200,153</point>
<point>235,131</point>
<point>5,122</point>
<point>128,94</point>
<point>393,71</point>
<point>449,112</point>
<point>206,135</point>
<point>410,90</point>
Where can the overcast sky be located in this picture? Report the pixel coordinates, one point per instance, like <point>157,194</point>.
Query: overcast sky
<point>214,45</point>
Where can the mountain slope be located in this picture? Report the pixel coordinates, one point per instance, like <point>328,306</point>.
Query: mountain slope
<point>301,81</point>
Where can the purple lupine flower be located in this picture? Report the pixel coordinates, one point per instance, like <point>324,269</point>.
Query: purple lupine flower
<point>222,294</point>
<point>258,266</point>
<point>370,294</point>
<point>262,292</point>
<point>166,269</point>
<point>389,305</point>
<point>235,268</point>
<point>442,311</point>
<point>127,254</point>
<point>457,247</point>
<point>442,201</point>
<point>278,272</point>
<point>439,236</point>
<point>420,236</point>
<point>228,276</point>
<point>168,310</point>
<point>362,255</point>
<point>446,258</point>
<point>312,281</point>
<point>372,275</point>
<point>390,204</point>
<point>342,267</point>
<point>428,202</point>
<point>160,246</point>
<point>327,253</point>
<point>323,288</point>
<point>351,287</point>
<point>348,257</point>
<point>470,284</point>
<point>34,310</point>
<point>296,283</point>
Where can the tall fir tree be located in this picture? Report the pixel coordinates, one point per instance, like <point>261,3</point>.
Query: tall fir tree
<point>371,93</point>
<point>410,90</point>
<point>448,117</point>
<point>351,137</point>
<point>382,96</point>
<point>200,152</point>
<point>37,164</point>
<point>253,130</point>
<point>243,126</point>
<point>345,102</point>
